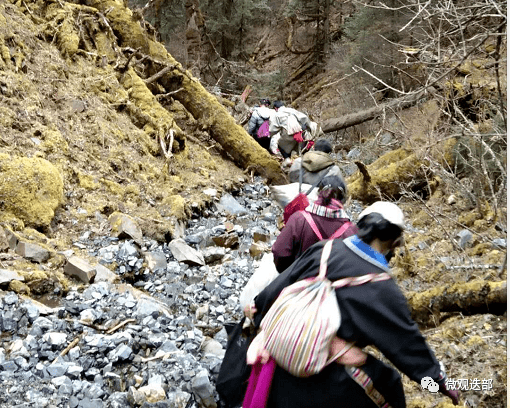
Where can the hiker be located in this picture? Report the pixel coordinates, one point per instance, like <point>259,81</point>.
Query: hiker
<point>258,125</point>
<point>327,217</point>
<point>374,313</point>
<point>286,128</point>
<point>315,164</point>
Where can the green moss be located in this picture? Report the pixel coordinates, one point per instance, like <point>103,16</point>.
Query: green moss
<point>31,189</point>
<point>388,173</point>
<point>468,218</point>
<point>176,204</point>
<point>113,187</point>
<point>155,119</point>
<point>481,249</point>
<point>5,53</point>
<point>86,181</point>
<point>68,39</point>
<point>7,116</point>
<point>475,341</point>
<point>19,287</point>
<point>54,141</point>
<point>422,219</point>
<point>104,45</point>
<point>132,189</point>
<point>33,275</point>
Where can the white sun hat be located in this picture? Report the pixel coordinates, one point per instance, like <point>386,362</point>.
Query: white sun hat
<point>389,211</point>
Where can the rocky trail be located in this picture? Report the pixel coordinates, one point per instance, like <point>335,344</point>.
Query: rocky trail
<point>151,333</point>
<point>155,336</point>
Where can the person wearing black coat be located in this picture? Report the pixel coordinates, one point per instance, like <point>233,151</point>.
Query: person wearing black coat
<point>375,313</point>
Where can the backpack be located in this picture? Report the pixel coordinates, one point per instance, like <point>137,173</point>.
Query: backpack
<point>298,329</point>
<point>233,377</point>
<point>337,234</point>
<point>300,202</point>
<point>263,130</point>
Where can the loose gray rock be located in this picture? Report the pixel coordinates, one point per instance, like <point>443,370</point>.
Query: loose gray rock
<point>80,269</point>
<point>203,388</point>
<point>156,261</point>
<point>124,226</point>
<point>465,237</point>
<point>230,205</point>
<point>7,276</point>
<point>32,252</point>
<point>184,253</point>
<point>103,274</point>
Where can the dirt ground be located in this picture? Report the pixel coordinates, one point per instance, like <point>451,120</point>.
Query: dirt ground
<point>73,114</point>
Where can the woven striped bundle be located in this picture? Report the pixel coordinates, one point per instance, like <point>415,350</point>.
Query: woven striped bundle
<point>299,327</point>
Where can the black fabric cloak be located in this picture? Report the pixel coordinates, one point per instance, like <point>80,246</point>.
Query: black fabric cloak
<point>375,314</point>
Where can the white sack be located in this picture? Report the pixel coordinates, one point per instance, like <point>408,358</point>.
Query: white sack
<point>285,193</point>
<point>264,274</point>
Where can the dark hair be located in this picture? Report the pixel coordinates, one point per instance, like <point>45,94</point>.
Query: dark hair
<point>374,225</point>
<point>332,187</point>
<point>278,104</point>
<point>323,145</point>
<point>265,102</point>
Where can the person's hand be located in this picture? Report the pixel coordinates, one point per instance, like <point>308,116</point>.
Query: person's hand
<point>250,310</point>
<point>352,355</point>
<point>298,137</point>
<point>454,395</point>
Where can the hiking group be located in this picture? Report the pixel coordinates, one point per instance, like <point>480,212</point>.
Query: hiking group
<point>281,130</point>
<point>331,295</point>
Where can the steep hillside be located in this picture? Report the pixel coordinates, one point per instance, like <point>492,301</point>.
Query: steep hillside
<point>68,122</point>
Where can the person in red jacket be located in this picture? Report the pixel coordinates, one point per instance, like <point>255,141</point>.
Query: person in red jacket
<point>327,217</point>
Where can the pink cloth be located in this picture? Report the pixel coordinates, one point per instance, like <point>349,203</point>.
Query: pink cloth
<point>298,137</point>
<point>259,384</point>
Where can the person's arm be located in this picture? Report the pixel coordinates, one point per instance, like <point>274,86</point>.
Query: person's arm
<point>379,311</point>
<point>252,123</point>
<point>286,246</point>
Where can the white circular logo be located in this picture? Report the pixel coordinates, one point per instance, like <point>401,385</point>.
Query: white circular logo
<point>434,387</point>
<point>427,383</point>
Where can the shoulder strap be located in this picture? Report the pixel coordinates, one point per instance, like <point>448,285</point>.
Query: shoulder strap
<point>313,225</point>
<point>351,281</point>
<point>301,174</point>
<point>326,250</point>
<point>361,280</point>
<point>338,233</point>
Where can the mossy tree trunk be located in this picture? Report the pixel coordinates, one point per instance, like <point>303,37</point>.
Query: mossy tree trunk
<point>468,298</point>
<point>211,115</point>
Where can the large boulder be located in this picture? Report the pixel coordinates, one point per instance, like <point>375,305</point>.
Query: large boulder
<point>31,189</point>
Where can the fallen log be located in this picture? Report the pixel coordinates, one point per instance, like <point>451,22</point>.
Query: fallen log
<point>342,122</point>
<point>469,298</point>
<point>210,114</point>
<point>389,176</point>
